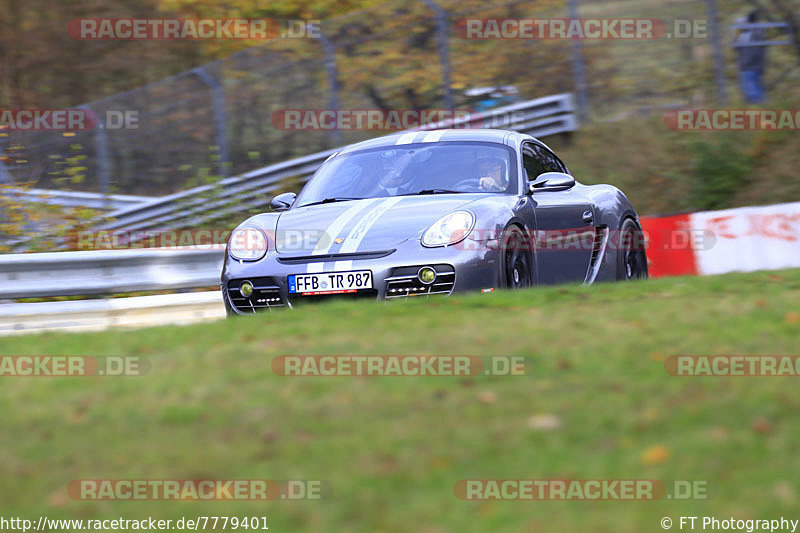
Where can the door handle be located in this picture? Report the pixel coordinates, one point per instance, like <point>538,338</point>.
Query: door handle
<point>587,217</point>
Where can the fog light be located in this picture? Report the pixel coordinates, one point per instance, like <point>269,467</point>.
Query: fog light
<point>426,275</point>
<point>246,288</point>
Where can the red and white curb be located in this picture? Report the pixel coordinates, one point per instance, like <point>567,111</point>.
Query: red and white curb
<point>744,239</point>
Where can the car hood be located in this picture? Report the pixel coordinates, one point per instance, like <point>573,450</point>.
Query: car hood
<point>373,224</point>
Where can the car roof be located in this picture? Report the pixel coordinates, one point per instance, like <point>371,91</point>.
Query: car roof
<point>510,138</point>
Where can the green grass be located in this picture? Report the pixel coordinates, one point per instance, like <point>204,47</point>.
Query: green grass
<point>392,448</point>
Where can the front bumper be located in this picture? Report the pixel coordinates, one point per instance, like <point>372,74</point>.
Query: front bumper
<point>460,268</point>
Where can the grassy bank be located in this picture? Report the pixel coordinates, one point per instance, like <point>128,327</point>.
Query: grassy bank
<point>596,404</point>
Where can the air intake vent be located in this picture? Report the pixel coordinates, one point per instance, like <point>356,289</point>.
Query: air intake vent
<point>266,296</point>
<point>405,282</point>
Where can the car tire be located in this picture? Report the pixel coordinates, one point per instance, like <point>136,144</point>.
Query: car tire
<point>517,270</point>
<point>631,257</point>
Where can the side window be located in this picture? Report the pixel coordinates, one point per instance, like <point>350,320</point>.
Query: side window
<point>548,159</point>
<point>532,165</point>
<point>538,160</point>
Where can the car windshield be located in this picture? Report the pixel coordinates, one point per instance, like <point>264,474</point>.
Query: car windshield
<point>436,168</point>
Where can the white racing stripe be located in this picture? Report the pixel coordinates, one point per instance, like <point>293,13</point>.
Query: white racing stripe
<point>407,138</point>
<point>360,230</point>
<point>326,241</point>
<point>433,136</point>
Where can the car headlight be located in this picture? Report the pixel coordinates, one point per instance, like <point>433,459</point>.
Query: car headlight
<point>247,244</point>
<point>450,229</point>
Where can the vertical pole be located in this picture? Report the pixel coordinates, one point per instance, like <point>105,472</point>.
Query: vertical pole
<point>444,52</point>
<point>579,68</point>
<point>333,80</point>
<point>5,175</point>
<point>101,153</point>
<point>220,120</point>
<point>719,59</point>
<point>101,142</point>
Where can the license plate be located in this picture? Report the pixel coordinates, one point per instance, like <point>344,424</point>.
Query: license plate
<point>330,282</point>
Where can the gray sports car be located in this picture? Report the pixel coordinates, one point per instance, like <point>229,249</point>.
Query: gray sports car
<point>431,213</point>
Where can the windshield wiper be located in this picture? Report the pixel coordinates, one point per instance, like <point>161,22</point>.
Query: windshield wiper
<point>433,191</point>
<point>330,201</point>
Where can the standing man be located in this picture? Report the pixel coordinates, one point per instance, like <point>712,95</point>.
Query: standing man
<point>751,61</point>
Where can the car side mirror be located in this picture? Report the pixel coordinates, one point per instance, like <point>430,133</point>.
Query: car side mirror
<point>551,181</point>
<point>282,202</point>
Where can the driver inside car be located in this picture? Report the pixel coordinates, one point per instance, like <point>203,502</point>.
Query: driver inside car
<point>491,175</point>
<point>392,173</point>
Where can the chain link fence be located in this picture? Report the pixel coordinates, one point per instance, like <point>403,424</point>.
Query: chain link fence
<point>215,120</point>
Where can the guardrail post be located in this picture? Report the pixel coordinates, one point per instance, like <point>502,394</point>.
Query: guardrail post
<point>719,59</point>
<point>5,175</point>
<point>101,153</point>
<point>220,119</point>
<point>333,76</point>
<point>579,68</point>
<point>444,52</point>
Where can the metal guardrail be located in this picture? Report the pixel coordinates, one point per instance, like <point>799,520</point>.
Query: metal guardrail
<point>109,272</point>
<point>540,117</point>
<point>105,272</point>
<point>109,202</point>
<point>94,315</point>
